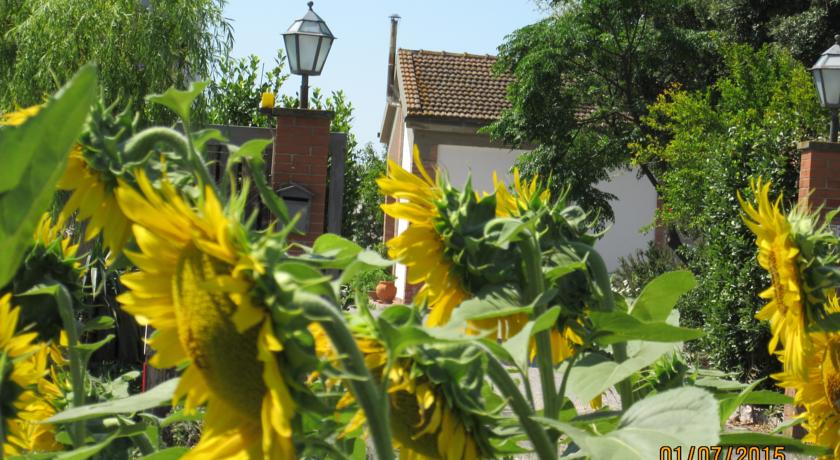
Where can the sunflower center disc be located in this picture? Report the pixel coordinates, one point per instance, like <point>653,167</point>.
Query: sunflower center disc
<point>778,289</point>
<point>226,358</point>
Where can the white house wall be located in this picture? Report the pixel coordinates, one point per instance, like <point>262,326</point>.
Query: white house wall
<point>400,270</point>
<point>459,161</point>
<point>634,208</point>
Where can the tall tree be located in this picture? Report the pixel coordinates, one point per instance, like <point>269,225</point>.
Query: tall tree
<point>804,27</point>
<point>584,77</point>
<point>140,46</point>
<point>746,125</point>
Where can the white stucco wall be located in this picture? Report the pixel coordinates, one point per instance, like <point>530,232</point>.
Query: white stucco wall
<point>633,210</point>
<point>400,270</point>
<point>459,161</point>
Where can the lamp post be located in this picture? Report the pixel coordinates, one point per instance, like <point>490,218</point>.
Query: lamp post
<point>826,73</point>
<point>308,42</point>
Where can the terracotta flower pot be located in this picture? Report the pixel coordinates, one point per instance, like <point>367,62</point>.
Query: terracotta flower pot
<point>386,291</point>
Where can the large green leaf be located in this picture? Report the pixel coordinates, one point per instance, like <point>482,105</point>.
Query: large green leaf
<point>179,101</point>
<point>679,417</point>
<point>160,395</point>
<point>622,327</point>
<point>594,374</point>
<point>341,250</point>
<point>45,141</point>
<point>729,405</point>
<point>791,446</point>
<point>661,294</point>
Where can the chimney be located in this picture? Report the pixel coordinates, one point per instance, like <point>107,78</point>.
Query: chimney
<point>392,57</point>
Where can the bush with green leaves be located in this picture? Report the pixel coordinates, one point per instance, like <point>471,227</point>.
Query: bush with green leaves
<point>639,268</point>
<point>712,141</point>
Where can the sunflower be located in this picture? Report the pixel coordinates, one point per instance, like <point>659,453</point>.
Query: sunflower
<point>27,432</point>
<point>46,234</point>
<point>424,424</point>
<point>507,204</point>
<point>23,365</point>
<point>92,194</point>
<point>778,254</point>
<point>420,247</point>
<point>563,341</point>
<point>193,286</point>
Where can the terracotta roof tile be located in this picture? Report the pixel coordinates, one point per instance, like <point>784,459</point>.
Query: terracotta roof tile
<point>452,85</point>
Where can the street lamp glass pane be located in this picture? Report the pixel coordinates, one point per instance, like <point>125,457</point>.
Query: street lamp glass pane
<point>326,43</point>
<point>308,46</point>
<point>818,82</point>
<point>831,83</point>
<point>291,51</point>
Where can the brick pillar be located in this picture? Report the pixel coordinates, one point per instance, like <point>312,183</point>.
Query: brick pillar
<point>819,175</point>
<point>819,185</point>
<point>301,153</point>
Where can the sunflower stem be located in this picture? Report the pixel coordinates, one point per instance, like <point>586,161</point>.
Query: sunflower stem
<point>599,271</point>
<point>370,398</point>
<point>142,143</point>
<point>543,445</point>
<point>534,287</point>
<point>77,364</point>
<point>561,395</point>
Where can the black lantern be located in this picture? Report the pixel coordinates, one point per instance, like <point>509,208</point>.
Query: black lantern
<point>827,80</point>
<point>308,42</point>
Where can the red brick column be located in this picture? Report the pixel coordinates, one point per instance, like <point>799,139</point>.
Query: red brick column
<point>819,175</point>
<point>819,185</point>
<point>301,153</point>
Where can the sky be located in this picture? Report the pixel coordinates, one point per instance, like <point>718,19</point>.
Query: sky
<point>358,61</point>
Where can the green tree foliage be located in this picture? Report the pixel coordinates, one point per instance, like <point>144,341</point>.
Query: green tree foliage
<point>584,77</point>
<point>234,96</point>
<point>140,46</point>
<point>804,27</point>
<point>363,218</point>
<point>745,125</point>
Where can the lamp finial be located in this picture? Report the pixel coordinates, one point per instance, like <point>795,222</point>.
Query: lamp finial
<point>312,3</point>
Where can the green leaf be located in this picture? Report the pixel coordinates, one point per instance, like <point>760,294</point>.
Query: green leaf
<point>519,345</point>
<point>366,261</point>
<point>179,101</point>
<point>661,294</point>
<point>252,150</point>
<point>172,453</point>
<point>100,323</point>
<point>679,417</point>
<point>202,137</point>
<point>43,143</point>
<point>767,397</point>
<point>341,250</point>
<point>160,395</point>
<point>829,323</point>
<point>791,446</point>
<point>729,405</point>
<point>594,374</point>
<point>622,327</point>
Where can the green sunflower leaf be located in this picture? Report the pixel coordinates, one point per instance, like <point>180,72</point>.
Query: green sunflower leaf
<point>160,395</point>
<point>179,101</point>
<point>789,445</point>
<point>622,327</point>
<point>660,295</point>
<point>594,374</point>
<point>43,142</point>
<point>680,417</point>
